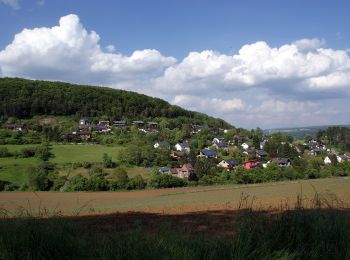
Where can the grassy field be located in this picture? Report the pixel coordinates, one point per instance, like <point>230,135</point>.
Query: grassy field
<point>177,200</point>
<point>14,169</point>
<point>80,153</point>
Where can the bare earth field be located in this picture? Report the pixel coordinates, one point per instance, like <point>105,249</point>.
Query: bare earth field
<point>177,200</point>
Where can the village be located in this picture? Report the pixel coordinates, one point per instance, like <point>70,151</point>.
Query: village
<point>219,150</point>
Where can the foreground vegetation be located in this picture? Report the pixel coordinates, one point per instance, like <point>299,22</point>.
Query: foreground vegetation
<point>320,232</point>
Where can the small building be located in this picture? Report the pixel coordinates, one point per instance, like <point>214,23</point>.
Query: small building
<point>164,170</point>
<point>119,123</point>
<point>245,146</point>
<point>343,158</point>
<point>327,160</point>
<point>250,164</point>
<point>185,172</point>
<point>152,125</point>
<point>162,144</point>
<point>183,147</point>
<point>139,123</point>
<point>83,121</point>
<point>281,161</point>
<point>14,127</point>
<point>229,163</point>
<point>217,140</point>
<point>101,129</point>
<point>261,153</point>
<point>103,123</point>
<point>207,153</point>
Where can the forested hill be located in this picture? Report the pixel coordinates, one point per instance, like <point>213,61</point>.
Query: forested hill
<point>24,98</point>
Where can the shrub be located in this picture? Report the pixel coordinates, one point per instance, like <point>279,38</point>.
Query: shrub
<point>165,181</point>
<point>137,183</point>
<point>4,152</point>
<point>120,179</point>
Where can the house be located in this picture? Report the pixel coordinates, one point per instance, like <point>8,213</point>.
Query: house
<point>14,127</point>
<point>83,135</point>
<point>101,129</point>
<point>229,163</point>
<point>343,158</point>
<point>163,144</point>
<point>103,123</point>
<point>139,123</point>
<point>164,170</point>
<point>207,153</point>
<point>177,155</point>
<point>83,121</point>
<point>185,172</point>
<point>317,150</point>
<point>183,147</point>
<point>152,125</point>
<point>262,144</point>
<point>245,146</point>
<point>239,138</point>
<point>261,153</point>
<point>327,160</point>
<point>217,140</point>
<point>119,123</point>
<point>281,161</point>
<point>249,151</point>
<point>250,164</point>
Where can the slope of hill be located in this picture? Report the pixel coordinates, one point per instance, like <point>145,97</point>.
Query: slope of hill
<point>24,98</point>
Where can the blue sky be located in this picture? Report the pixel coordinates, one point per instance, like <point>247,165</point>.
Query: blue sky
<point>230,80</point>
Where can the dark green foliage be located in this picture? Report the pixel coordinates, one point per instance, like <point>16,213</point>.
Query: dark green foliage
<point>43,152</point>
<point>107,161</point>
<point>335,136</point>
<point>4,152</point>
<point>120,179</point>
<point>137,183</point>
<point>26,98</point>
<point>39,177</point>
<point>165,181</point>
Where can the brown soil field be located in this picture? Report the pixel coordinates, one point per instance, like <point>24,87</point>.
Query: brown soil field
<point>188,200</point>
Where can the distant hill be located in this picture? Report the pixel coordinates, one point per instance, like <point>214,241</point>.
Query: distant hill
<point>300,132</point>
<point>24,98</point>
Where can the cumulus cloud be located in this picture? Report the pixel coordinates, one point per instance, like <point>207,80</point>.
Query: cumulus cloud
<point>303,62</point>
<point>69,52</point>
<point>298,83</point>
<point>14,4</point>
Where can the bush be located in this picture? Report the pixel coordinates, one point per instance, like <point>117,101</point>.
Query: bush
<point>27,152</point>
<point>137,183</point>
<point>4,152</point>
<point>120,179</point>
<point>165,181</point>
<point>86,165</point>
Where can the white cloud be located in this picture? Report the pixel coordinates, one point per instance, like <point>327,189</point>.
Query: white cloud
<point>302,82</point>
<point>14,4</point>
<point>69,52</point>
<point>110,48</point>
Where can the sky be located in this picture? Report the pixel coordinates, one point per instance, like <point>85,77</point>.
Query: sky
<point>253,63</point>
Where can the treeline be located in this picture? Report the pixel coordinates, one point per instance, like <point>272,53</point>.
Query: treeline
<point>23,98</point>
<point>335,136</point>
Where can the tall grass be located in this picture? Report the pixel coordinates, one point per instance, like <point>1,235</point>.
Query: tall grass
<point>318,231</point>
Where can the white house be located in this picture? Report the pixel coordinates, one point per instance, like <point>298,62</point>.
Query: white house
<point>327,160</point>
<point>183,147</point>
<point>245,146</point>
<point>163,144</point>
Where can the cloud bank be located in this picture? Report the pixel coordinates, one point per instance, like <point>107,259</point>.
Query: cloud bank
<point>298,83</point>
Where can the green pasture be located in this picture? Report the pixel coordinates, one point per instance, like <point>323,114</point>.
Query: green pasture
<point>14,169</point>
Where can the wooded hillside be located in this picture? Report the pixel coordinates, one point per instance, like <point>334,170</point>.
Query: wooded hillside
<point>23,98</point>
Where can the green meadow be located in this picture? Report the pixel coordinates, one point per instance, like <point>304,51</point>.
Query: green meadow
<point>14,169</point>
